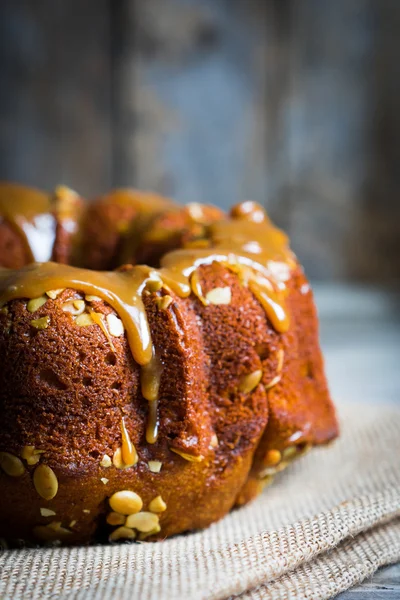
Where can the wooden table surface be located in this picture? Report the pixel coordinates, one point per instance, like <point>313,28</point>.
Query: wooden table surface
<point>360,335</point>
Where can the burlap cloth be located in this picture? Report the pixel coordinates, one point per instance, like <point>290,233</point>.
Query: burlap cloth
<point>330,521</point>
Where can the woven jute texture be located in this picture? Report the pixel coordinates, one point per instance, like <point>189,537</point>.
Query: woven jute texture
<point>327,523</point>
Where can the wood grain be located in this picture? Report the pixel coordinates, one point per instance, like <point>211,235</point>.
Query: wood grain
<point>55,120</point>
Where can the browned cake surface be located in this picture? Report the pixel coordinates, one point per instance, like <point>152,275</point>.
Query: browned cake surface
<point>174,228</point>
<point>111,225</point>
<point>238,399</point>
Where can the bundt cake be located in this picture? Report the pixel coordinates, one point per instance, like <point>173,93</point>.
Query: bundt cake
<point>147,401</point>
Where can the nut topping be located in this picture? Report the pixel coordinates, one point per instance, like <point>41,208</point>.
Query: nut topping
<point>281,356</point>
<point>106,461</point>
<point>214,441</point>
<point>11,465</point>
<point>164,302</point>
<point>219,295</point>
<point>54,293</point>
<point>155,466</point>
<point>41,323</point>
<point>142,521</point>
<point>157,505</point>
<point>272,458</point>
<point>31,455</point>
<point>126,502</point>
<point>273,382</point>
<point>114,518</point>
<point>154,285</point>
<point>75,307</point>
<point>92,298</point>
<point>249,382</point>
<point>122,533</point>
<point>143,536</point>
<point>115,325</point>
<point>84,320</point>
<point>47,512</point>
<point>45,482</point>
<point>35,303</point>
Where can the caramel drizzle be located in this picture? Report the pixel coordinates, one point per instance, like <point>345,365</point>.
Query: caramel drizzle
<point>247,243</point>
<point>29,213</point>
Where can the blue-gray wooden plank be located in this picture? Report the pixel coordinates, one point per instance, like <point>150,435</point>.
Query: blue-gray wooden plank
<point>384,585</point>
<point>55,120</point>
<point>198,99</point>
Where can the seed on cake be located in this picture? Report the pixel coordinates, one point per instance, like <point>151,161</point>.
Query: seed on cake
<point>106,461</point>
<point>92,298</point>
<point>219,295</point>
<point>84,320</point>
<point>249,382</point>
<point>54,293</point>
<point>114,518</point>
<point>196,288</point>
<point>273,382</point>
<point>122,533</point>
<point>126,502</point>
<point>11,465</point>
<point>155,466</point>
<point>154,285</point>
<point>47,512</point>
<point>41,323</point>
<point>267,480</point>
<point>143,536</point>
<point>31,455</point>
<point>268,471</point>
<point>289,452</point>
<point>72,524</point>
<point>272,458</point>
<point>86,511</point>
<point>142,521</point>
<point>104,480</point>
<point>157,505</point>
<point>117,459</point>
<point>214,441</point>
<point>164,302</point>
<point>35,303</point>
<point>195,210</point>
<point>74,307</point>
<point>79,305</point>
<point>115,325</point>
<point>45,482</point>
<point>187,456</point>
<point>280,356</point>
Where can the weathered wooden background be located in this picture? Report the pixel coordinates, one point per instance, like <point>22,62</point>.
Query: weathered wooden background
<point>291,102</point>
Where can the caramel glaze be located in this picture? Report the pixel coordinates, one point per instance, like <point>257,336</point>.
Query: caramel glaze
<point>29,213</point>
<point>245,243</point>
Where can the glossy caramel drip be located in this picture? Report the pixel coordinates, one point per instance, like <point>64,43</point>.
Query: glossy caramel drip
<point>128,450</point>
<point>249,246</point>
<point>28,211</point>
<point>150,383</point>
